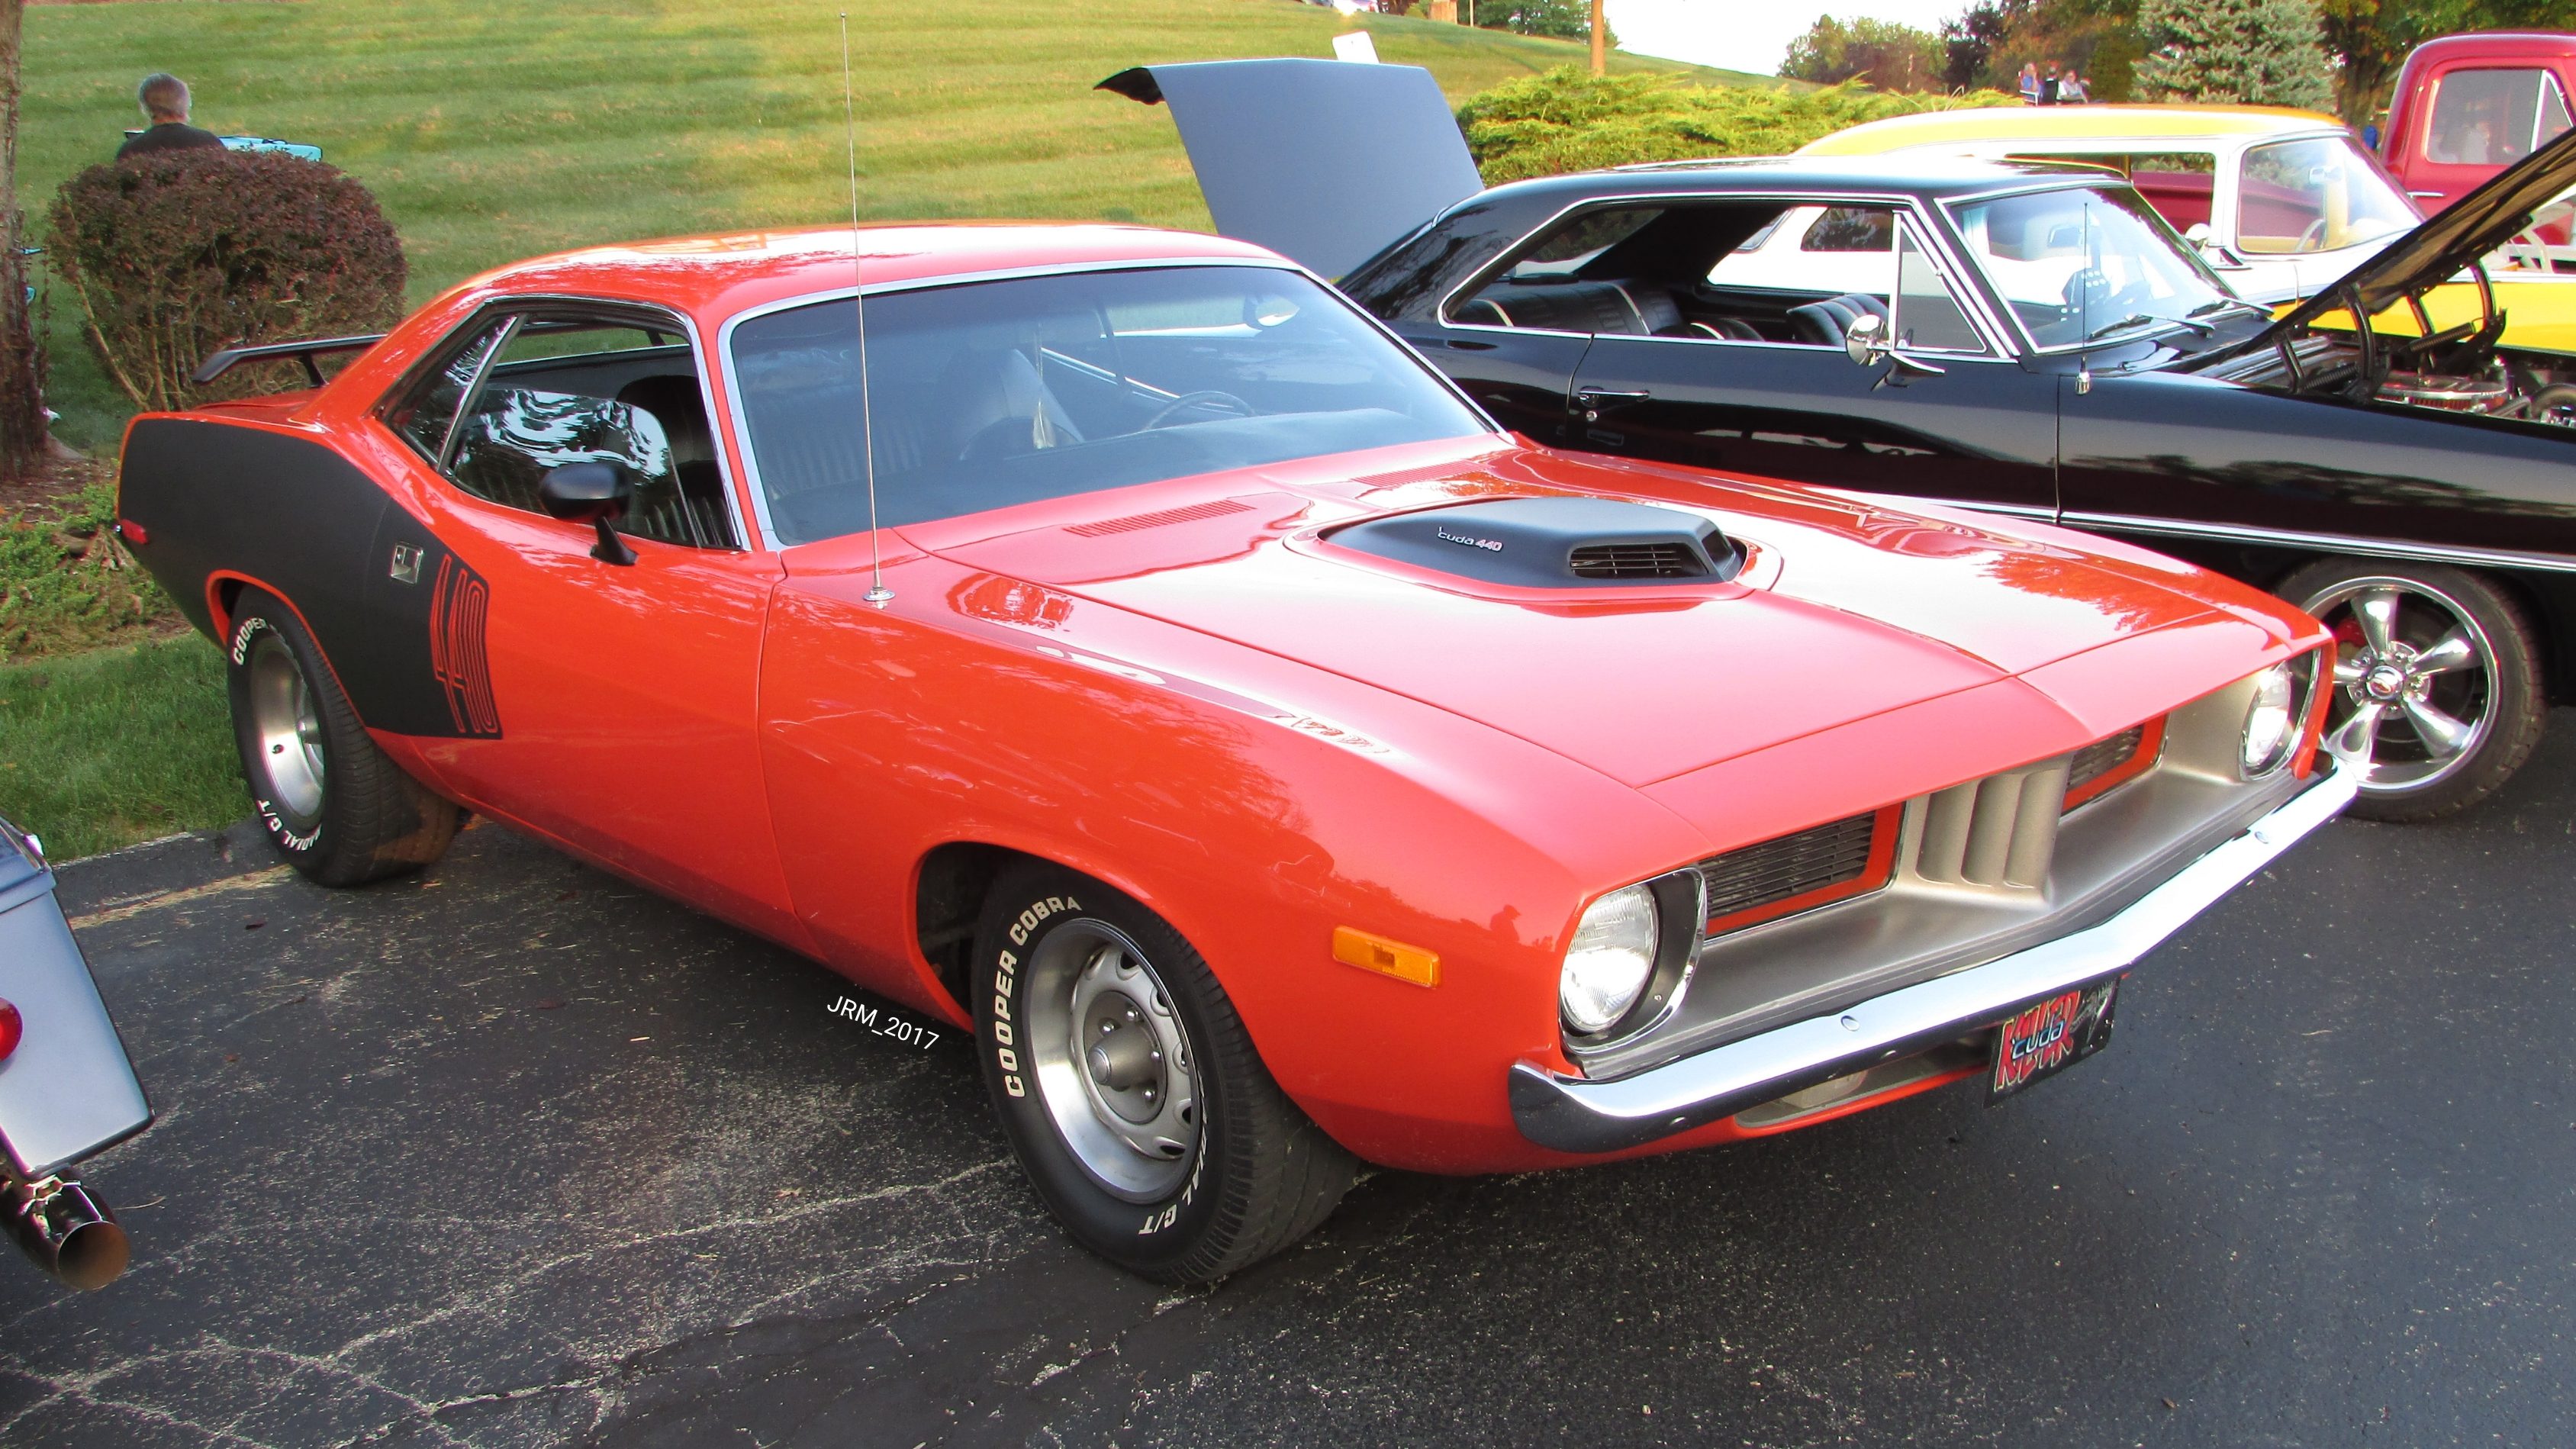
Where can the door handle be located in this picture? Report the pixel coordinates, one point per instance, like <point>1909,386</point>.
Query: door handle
<point>1461,345</point>
<point>1592,402</point>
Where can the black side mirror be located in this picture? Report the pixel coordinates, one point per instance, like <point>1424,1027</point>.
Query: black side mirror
<point>593,493</point>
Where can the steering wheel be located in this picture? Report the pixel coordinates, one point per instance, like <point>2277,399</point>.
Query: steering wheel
<point>2525,252</point>
<point>1209,397</point>
<point>2315,233</point>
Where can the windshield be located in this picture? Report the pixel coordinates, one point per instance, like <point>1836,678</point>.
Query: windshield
<point>2088,264</point>
<point>2317,195</point>
<point>995,393</point>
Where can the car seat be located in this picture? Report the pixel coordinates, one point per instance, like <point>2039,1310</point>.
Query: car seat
<point>693,510</point>
<point>999,407</point>
<point>1825,323</point>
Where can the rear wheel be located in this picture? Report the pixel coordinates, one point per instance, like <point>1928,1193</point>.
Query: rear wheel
<point>1131,1092</point>
<point>331,801</point>
<point>2437,686</point>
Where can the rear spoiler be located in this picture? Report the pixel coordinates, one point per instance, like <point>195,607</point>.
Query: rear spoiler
<point>223,360</point>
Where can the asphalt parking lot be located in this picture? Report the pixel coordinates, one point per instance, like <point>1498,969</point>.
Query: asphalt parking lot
<point>511,1154</point>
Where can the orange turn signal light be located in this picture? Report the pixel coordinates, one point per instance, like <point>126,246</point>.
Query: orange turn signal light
<point>1385,957</point>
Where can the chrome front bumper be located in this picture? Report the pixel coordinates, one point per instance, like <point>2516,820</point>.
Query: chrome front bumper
<point>1576,1114</point>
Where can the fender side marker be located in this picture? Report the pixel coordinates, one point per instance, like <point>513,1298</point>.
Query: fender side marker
<point>1387,958</point>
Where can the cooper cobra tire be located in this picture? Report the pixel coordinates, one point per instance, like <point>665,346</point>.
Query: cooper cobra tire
<point>2447,668</point>
<point>331,801</point>
<point>1183,1166</point>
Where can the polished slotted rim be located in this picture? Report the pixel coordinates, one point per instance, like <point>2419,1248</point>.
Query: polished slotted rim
<point>287,728</point>
<point>2414,682</point>
<point>1114,1066</point>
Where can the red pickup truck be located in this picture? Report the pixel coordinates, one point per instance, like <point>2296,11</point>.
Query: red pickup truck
<point>2467,106</point>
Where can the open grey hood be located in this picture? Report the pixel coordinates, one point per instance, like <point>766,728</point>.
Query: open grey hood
<point>2477,224</point>
<point>1323,161</point>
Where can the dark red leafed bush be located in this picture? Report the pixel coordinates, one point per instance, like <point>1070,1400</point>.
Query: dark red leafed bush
<point>172,256</point>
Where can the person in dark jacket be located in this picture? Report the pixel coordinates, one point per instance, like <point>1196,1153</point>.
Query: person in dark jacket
<point>164,98</point>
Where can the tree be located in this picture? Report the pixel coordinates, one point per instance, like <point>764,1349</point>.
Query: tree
<point>1883,53</point>
<point>1969,42</point>
<point>1559,19</point>
<point>2373,36</point>
<point>2237,52</point>
<point>22,380</point>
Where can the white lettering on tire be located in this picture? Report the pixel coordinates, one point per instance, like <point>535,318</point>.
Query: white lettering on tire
<point>242,636</point>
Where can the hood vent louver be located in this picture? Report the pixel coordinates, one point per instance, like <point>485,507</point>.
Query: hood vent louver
<point>1639,561</point>
<point>1553,543</point>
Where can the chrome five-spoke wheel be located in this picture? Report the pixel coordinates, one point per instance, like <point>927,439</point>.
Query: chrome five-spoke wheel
<point>2436,698</point>
<point>1113,1063</point>
<point>286,726</point>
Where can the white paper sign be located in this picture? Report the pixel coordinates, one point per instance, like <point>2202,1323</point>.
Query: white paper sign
<point>1355,46</point>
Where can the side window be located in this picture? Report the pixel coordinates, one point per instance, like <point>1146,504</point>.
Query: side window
<point>2486,117</point>
<point>568,389</point>
<point>1851,229</point>
<point>1569,279</point>
<point>1816,252</point>
<point>1928,317</point>
<point>425,417</point>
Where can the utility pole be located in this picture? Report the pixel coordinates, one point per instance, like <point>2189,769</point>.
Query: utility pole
<point>1600,39</point>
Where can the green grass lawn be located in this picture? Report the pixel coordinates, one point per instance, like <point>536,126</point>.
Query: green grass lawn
<point>113,746</point>
<point>494,131</point>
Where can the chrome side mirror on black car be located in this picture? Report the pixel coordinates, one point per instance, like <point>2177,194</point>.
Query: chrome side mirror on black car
<point>1865,341</point>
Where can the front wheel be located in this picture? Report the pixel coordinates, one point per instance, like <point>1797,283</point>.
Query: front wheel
<point>2437,697</point>
<point>1131,1092</point>
<point>331,801</point>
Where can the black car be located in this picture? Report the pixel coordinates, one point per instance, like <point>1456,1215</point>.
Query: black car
<point>2028,339</point>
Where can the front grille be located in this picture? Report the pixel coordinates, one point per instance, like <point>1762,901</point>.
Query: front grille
<point>1744,884</point>
<point>1998,831</point>
<point>2103,756</point>
<point>2107,764</point>
<point>1636,561</point>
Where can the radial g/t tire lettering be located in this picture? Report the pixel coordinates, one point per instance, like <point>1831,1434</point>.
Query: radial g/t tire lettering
<point>331,802</point>
<point>1131,1092</point>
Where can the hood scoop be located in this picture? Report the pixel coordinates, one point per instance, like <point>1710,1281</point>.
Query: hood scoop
<point>1553,543</point>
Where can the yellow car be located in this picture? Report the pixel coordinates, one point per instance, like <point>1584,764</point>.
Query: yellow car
<point>2281,203</point>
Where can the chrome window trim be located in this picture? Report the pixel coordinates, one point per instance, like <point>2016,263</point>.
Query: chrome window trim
<point>2323,542</point>
<point>516,305</point>
<point>739,432</point>
<point>1951,266</point>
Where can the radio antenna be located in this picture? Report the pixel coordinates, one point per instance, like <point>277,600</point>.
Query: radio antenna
<point>877,594</point>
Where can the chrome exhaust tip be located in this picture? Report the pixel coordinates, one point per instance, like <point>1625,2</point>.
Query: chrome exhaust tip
<point>67,1229</point>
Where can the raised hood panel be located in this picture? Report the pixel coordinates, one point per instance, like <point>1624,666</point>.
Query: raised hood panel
<point>1323,161</point>
<point>1843,611</point>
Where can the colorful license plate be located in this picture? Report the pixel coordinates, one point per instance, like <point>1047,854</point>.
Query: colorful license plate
<point>2047,1038</point>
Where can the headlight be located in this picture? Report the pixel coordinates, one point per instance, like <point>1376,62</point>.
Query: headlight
<point>1610,960</point>
<point>2271,722</point>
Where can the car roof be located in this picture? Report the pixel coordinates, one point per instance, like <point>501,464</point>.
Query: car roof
<point>1930,177</point>
<point>2068,123</point>
<point>716,276</point>
<point>2497,44</point>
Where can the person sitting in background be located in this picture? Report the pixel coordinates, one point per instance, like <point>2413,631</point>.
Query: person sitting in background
<point>164,98</point>
<point>2029,83</point>
<point>2070,91</point>
<point>2048,87</point>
